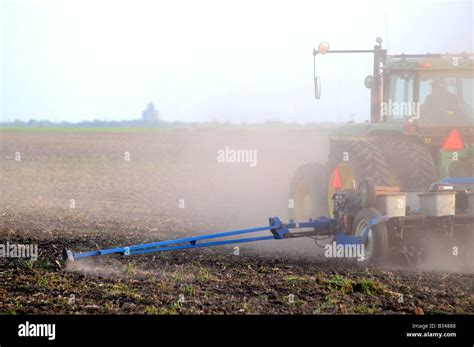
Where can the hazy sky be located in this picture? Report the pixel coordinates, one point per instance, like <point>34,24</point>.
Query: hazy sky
<point>207,60</point>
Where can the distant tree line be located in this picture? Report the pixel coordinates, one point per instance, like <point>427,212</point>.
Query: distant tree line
<point>150,118</point>
<point>84,124</point>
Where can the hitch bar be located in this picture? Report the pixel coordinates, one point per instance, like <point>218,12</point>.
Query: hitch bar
<point>279,231</point>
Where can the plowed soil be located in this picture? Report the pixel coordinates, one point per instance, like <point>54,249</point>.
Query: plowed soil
<point>76,189</point>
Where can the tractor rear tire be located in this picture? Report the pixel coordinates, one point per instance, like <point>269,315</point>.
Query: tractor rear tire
<point>364,158</point>
<point>462,168</point>
<point>376,245</point>
<point>308,192</point>
<point>410,162</point>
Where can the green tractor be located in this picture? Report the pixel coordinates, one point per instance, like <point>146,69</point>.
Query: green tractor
<point>421,129</point>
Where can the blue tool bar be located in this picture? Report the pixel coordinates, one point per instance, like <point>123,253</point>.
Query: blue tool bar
<point>204,244</point>
<point>278,229</point>
<point>462,180</point>
<point>156,245</point>
<point>320,223</point>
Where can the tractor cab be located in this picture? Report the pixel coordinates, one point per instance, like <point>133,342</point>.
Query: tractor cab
<point>421,125</point>
<point>431,90</point>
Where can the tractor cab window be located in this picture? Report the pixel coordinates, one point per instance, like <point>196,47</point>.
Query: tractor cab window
<point>446,96</point>
<point>399,105</point>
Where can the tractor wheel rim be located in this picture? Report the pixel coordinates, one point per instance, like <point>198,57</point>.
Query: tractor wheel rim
<point>303,203</point>
<point>369,242</point>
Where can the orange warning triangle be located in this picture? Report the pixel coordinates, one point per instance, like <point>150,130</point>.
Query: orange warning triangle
<point>453,141</point>
<point>336,181</point>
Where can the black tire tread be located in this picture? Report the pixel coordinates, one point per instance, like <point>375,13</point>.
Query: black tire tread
<point>365,158</point>
<point>410,162</point>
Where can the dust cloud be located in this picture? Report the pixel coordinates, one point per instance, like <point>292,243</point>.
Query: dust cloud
<point>176,182</point>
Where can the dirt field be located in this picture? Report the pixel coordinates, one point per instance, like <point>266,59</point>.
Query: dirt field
<point>77,189</point>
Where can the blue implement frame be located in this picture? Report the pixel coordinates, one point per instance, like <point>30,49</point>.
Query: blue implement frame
<point>462,180</point>
<point>279,231</point>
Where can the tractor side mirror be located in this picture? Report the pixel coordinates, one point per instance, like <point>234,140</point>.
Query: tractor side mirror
<point>369,81</point>
<point>317,87</point>
<point>323,48</point>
